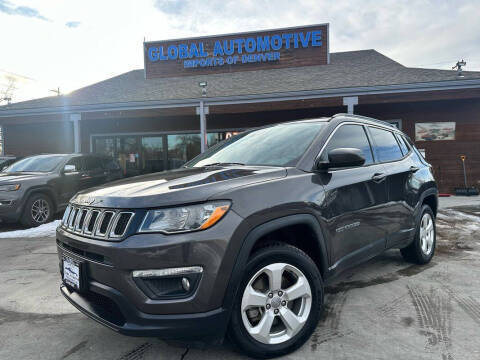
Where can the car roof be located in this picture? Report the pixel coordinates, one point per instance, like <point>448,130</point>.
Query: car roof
<point>72,155</point>
<point>352,117</point>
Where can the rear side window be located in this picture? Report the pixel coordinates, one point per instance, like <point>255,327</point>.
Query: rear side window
<point>349,136</point>
<point>93,163</point>
<point>78,162</point>
<point>403,145</point>
<point>386,146</point>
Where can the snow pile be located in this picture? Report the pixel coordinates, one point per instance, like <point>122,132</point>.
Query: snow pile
<point>458,221</point>
<point>44,230</point>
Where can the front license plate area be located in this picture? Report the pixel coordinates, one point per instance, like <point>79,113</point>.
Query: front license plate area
<point>72,274</point>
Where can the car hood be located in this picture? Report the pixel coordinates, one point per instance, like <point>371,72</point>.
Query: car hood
<point>175,187</point>
<point>9,178</point>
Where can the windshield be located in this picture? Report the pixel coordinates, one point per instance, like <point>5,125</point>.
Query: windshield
<point>40,163</point>
<point>280,145</point>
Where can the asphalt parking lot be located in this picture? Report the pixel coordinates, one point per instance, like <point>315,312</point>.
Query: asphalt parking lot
<point>383,309</point>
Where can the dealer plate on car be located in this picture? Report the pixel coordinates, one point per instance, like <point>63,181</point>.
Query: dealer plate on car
<point>71,272</point>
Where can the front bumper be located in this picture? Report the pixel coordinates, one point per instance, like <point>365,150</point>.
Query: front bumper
<point>112,297</point>
<point>10,209</point>
<point>110,308</point>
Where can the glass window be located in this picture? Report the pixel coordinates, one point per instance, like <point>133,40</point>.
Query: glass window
<point>403,145</point>
<point>128,153</point>
<point>349,136</point>
<point>386,146</point>
<point>1,140</point>
<point>279,145</point>
<point>182,148</point>
<point>110,164</point>
<point>93,163</point>
<point>152,154</point>
<point>105,146</point>
<point>215,138</point>
<point>40,163</point>
<point>78,162</point>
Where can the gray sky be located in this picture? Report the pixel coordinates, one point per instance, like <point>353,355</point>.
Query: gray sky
<point>71,43</point>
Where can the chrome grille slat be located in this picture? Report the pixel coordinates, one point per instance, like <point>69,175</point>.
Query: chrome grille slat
<point>71,219</point>
<point>104,219</point>
<point>112,233</point>
<point>79,227</point>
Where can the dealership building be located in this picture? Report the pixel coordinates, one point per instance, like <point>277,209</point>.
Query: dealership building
<point>195,92</point>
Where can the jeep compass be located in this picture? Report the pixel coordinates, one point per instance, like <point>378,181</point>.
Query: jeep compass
<point>242,240</point>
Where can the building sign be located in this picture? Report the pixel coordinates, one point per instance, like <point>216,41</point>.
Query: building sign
<point>435,131</point>
<point>301,46</point>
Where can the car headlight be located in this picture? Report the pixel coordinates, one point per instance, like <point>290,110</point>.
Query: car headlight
<point>184,218</point>
<point>12,187</point>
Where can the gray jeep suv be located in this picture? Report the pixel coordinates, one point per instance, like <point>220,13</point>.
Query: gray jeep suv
<point>33,189</point>
<point>243,238</point>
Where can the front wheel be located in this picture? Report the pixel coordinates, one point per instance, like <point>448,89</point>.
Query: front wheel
<point>421,250</point>
<point>38,210</point>
<point>278,304</point>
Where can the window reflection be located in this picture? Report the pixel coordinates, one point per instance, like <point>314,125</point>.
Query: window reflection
<point>141,154</point>
<point>152,154</point>
<point>181,148</point>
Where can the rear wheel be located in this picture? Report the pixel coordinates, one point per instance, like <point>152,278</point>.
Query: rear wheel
<point>278,303</point>
<point>38,210</point>
<point>422,249</point>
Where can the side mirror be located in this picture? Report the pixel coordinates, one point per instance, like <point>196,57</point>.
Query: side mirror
<point>342,157</point>
<point>69,169</point>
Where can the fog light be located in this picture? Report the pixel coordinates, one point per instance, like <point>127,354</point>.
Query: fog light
<point>185,284</point>
<point>168,283</point>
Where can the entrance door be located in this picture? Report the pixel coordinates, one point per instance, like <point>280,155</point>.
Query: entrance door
<point>128,154</point>
<point>153,156</point>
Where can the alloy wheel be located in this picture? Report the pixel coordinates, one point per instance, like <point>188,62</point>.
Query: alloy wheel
<point>427,234</point>
<point>40,210</point>
<point>276,303</point>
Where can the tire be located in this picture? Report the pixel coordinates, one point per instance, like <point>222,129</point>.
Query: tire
<point>296,268</point>
<point>422,249</point>
<point>35,203</point>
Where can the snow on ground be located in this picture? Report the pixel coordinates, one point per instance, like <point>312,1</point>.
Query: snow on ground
<point>44,230</point>
<point>453,214</point>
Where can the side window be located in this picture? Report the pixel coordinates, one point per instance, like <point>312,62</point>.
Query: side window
<point>403,145</point>
<point>386,146</point>
<point>93,163</point>
<point>349,136</point>
<point>417,153</point>
<point>78,163</point>
<point>110,164</point>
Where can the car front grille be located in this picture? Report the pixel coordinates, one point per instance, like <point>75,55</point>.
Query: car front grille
<point>104,224</point>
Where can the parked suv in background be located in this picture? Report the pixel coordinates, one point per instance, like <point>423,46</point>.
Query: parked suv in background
<point>7,161</point>
<point>33,189</point>
<point>243,238</point>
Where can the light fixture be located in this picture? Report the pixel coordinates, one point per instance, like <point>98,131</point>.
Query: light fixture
<point>203,85</point>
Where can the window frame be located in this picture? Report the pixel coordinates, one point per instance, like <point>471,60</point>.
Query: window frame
<point>395,134</point>
<point>329,138</point>
<point>401,138</point>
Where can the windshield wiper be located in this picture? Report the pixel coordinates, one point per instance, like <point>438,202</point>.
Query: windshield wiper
<point>224,164</point>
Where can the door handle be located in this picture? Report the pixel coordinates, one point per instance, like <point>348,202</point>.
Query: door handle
<point>414,169</point>
<point>379,177</point>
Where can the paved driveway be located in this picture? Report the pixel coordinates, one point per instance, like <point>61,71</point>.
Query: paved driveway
<point>383,309</point>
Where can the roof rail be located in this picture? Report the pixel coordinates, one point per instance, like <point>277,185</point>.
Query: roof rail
<point>360,117</point>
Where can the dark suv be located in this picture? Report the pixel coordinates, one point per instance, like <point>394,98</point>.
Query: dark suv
<point>243,238</point>
<point>33,189</point>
